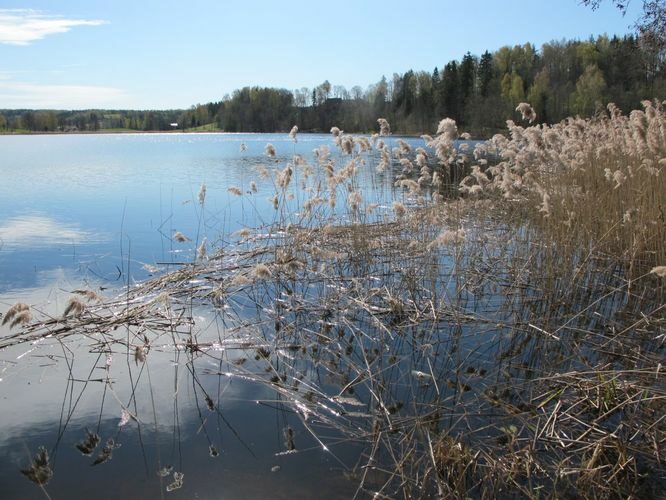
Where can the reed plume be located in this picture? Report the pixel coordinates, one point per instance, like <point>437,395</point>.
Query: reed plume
<point>384,127</point>
<point>448,129</point>
<point>201,250</point>
<point>202,194</point>
<point>448,237</point>
<point>354,200</point>
<point>659,271</point>
<point>89,295</point>
<point>40,471</point>
<point>75,308</point>
<point>262,271</point>
<point>18,313</point>
<point>180,237</point>
<point>526,111</point>
<point>293,132</point>
<point>347,144</point>
<point>284,177</point>
<point>399,209</point>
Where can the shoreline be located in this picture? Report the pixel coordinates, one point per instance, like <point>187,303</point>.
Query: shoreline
<point>202,132</point>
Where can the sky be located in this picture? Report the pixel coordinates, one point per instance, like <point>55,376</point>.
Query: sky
<point>165,54</point>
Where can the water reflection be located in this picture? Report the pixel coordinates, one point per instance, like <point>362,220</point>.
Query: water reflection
<point>37,230</point>
<point>116,415</point>
<point>114,407</point>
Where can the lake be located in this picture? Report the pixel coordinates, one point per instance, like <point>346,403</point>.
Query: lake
<point>199,316</point>
<point>69,200</point>
<point>100,212</point>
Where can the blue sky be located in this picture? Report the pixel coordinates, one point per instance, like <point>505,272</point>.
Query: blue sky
<point>159,54</point>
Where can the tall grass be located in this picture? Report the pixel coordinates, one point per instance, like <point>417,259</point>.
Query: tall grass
<point>598,182</point>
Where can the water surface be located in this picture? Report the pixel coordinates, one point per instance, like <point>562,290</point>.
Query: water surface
<point>99,212</point>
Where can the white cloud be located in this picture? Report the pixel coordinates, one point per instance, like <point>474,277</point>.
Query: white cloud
<point>20,95</point>
<point>24,26</point>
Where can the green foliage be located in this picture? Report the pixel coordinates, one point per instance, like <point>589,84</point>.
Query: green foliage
<point>540,95</point>
<point>257,109</point>
<point>651,25</point>
<point>480,94</point>
<point>590,88</point>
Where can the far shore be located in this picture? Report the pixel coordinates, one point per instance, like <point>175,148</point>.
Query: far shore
<point>197,131</point>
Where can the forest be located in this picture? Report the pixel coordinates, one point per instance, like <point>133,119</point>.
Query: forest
<point>562,78</point>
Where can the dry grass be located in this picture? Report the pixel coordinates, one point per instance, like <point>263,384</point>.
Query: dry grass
<point>598,183</point>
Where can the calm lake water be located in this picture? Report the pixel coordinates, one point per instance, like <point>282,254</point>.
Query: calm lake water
<point>76,201</point>
<point>100,211</point>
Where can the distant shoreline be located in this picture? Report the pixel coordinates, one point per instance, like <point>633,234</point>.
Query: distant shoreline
<point>193,132</point>
<point>113,131</point>
<point>198,132</point>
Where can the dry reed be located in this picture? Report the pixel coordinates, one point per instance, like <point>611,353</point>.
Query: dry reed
<point>508,343</point>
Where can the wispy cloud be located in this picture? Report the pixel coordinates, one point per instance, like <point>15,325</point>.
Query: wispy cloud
<point>20,95</point>
<point>24,26</point>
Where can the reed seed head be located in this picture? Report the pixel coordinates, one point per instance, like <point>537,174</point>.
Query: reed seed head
<point>526,111</point>
<point>16,310</point>
<point>180,237</point>
<point>659,271</point>
<point>384,127</point>
<point>262,271</point>
<point>201,250</point>
<point>448,129</point>
<point>75,308</point>
<point>202,194</point>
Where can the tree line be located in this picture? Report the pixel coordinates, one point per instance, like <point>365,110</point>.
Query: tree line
<point>561,79</point>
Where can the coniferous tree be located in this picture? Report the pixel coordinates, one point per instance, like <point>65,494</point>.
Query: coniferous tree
<point>486,73</point>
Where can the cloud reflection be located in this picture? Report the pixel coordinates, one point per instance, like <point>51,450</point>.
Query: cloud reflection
<point>39,231</point>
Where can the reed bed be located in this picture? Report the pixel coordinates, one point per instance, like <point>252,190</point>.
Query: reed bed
<point>496,332</point>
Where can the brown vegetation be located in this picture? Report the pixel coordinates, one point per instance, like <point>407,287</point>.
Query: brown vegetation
<point>507,341</point>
